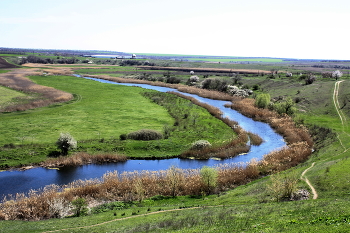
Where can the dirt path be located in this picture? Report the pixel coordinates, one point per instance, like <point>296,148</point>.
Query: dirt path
<point>313,190</point>
<point>120,219</point>
<point>344,123</point>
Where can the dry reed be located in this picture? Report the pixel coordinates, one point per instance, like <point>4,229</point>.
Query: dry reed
<point>82,158</point>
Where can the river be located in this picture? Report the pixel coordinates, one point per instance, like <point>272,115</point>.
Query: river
<point>15,181</point>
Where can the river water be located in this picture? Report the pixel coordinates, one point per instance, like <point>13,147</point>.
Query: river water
<point>15,181</point>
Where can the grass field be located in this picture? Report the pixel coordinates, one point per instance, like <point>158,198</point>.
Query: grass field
<point>97,117</point>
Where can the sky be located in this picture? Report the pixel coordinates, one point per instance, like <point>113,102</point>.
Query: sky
<point>305,29</point>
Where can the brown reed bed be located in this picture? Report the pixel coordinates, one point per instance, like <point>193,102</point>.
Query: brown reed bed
<point>255,139</point>
<point>82,158</point>
<point>53,201</point>
<point>47,95</point>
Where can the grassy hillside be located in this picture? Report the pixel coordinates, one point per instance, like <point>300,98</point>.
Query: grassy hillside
<point>251,207</point>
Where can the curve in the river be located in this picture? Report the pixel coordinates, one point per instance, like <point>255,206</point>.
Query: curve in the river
<point>12,182</point>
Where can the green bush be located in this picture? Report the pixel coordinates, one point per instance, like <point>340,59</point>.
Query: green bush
<point>262,100</point>
<point>286,107</point>
<point>209,177</point>
<point>145,135</point>
<point>80,207</point>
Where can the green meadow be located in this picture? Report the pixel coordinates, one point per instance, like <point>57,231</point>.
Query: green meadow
<point>96,118</point>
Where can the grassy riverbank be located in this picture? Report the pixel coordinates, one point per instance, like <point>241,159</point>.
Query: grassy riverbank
<point>96,118</point>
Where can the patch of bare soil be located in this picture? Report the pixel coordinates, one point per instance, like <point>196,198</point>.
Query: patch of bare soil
<point>5,65</point>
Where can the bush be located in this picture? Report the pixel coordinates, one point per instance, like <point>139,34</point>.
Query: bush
<point>209,177</point>
<point>80,207</point>
<point>145,135</point>
<point>286,107</point>
<point>283,186</point>
<point>123,137</point>
<point>262,100</point>
<point>66,142</point>
<point>201,144</point>
<point>215,84</point>
<point>173,80</point>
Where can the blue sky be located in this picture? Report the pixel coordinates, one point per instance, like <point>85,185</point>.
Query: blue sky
<point>267,28</point>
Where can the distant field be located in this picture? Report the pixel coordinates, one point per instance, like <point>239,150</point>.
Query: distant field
<point>237,60</point>
<point>169,55</point>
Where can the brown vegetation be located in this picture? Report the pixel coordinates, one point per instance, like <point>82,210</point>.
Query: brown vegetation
<point>16,80</point>
<point>82,158</point>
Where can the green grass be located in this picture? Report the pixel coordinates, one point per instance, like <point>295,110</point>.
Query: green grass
<point>97,117</point>
<point>7,96</point>
<point>97,108</point>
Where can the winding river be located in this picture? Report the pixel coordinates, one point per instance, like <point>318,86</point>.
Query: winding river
<point>15,181</point>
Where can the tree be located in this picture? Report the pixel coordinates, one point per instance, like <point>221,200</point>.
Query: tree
<point>209,177</point>
<point>66,142</point>
<point>337,74</point>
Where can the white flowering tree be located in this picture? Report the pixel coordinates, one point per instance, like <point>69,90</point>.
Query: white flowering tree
<point>337,74</point>
<point>66,142</point>
<point>194,79</point>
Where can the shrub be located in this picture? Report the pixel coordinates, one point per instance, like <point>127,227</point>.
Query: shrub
<point>123,137</point>
<point>209,177</point>
<point>262,100</point>
<point>215,84</point>
<point>59,207</point>
<point>286,107</point>
<point>145,135</point>
<point>200,144</point>
<point>66,142</point>
<point>283,186</point>
<point>80,207</point>
<point>310,79</point>
<point>173,80</point>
